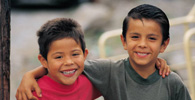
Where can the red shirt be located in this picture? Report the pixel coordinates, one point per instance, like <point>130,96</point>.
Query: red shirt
<point>82,89</point>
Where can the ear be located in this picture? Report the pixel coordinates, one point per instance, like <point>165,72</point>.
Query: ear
<point>123,42</point>
<point>43,61</point>
<point>86,53</point>
<point>164,45</point>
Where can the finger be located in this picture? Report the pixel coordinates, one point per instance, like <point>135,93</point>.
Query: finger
<point>163,67</point>
<point>38,90</point>
<point>162,64</point>
<point>168,71</point>
<point>158,63</point>
<point>160,72</point>
<point>34,98</point>
<point>164,72</point>
<point>24,96</point>
<point>29,95</point>
<point>18,95</point>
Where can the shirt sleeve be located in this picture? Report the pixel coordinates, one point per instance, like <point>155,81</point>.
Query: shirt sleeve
<point>180,90</point>
<point>96,93</point>
<point>183,94</point>
<point>98,72</point>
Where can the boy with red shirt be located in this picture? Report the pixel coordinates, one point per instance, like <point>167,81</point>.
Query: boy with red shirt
<point>62,53</point>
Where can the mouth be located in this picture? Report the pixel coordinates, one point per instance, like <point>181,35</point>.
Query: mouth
<point>68,72</point>
<point>142,54</point>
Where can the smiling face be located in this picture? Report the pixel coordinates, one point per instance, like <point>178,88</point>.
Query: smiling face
<point>65,61</point>
<point>143,42</point>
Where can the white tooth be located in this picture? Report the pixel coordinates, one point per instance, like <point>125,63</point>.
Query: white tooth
<point>142,54</point>
<point>69,72</point>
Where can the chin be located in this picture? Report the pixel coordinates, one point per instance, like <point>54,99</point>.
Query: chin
<point>142,63</point>
<point>69,82</point>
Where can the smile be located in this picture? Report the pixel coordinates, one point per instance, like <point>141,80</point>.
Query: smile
<point>142,54</point>
<point>68,72</point>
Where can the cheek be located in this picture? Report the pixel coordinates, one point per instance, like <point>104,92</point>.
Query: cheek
<point>54,65</point>
<point>156,48</point>
<point>80,61</point>
<point>130,45</point>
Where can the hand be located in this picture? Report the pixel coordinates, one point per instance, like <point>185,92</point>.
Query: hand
<point>164,69</point>
<point>27,85</point>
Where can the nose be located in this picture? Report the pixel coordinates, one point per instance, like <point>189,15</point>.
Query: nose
<point>142,43</point>
<point>68,61</point>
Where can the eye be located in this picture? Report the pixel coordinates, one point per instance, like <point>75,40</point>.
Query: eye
<point>58,57</point>
<point>75,54</point>
<point>152,38</point>
<point>134,37</point>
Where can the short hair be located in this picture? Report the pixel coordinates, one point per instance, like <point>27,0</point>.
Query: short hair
<point>147,11</point>
<point>57,29</point>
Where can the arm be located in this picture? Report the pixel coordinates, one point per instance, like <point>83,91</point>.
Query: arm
<point>29,84</point>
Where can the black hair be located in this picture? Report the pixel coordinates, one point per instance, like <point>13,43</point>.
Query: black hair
<point>147,11</point>
<point>57,29</point>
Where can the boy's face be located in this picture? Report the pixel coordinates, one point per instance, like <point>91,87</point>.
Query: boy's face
<point>65,61</point>
<point>143,42</point>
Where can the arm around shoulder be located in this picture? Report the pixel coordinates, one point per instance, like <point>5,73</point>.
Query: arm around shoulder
<point>29,84</point>
<point>37,72</point>
<point>98,72</point>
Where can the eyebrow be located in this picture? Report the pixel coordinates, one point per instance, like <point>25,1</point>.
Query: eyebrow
<point>152,34</point>
<point>56,53</point>
<point>76,50</point>
<point>71,51</point>
<point>135,33</point>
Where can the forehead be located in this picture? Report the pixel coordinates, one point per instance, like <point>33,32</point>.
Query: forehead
<point>147,26</point>
<point>67,41</point>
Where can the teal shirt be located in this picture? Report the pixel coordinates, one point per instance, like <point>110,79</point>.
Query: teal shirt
<point>117,80</point>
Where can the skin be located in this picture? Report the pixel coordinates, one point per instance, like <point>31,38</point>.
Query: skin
<point>65,61</point>
<point>143,44</point>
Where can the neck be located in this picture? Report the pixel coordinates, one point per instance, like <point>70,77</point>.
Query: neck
<point>144,70</point>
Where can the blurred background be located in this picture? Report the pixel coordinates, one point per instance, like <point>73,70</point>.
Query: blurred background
<point>95,17</point>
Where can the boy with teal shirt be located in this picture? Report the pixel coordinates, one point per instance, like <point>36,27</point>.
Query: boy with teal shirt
<point>112,78</point>
<point>145,35</point>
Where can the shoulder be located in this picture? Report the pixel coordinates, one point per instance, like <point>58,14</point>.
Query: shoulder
<point>84,83</point>
<point>97,62</point>
<point>174,77</point>
<point>82,78</point>
<point>44,81</point>
<point>177,87</point>
<point>101,66</point>
<point>103,62</point>
<point>175,80</point>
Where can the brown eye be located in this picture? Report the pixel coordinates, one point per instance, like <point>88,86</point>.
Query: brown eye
<point>75,54</point>
<point>134,37</point>
<point>152,38</point>
<point>58,57</point>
